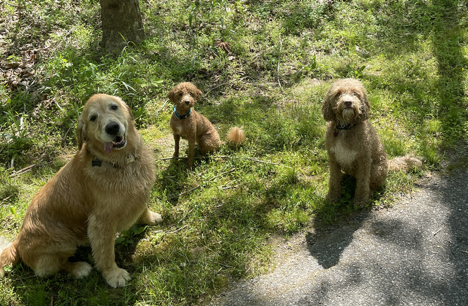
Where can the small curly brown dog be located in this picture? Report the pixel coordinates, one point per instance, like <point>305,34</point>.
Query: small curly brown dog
<point>103,190</point>
<point>352,143</point>
<point>190,125</point>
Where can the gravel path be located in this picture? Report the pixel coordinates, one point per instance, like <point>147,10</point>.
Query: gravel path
<point>415,253</point>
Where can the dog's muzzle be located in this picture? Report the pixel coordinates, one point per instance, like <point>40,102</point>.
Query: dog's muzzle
<point>118,142</point>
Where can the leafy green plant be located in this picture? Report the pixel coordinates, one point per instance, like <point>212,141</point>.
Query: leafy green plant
<point>126,237</point>
<point>356,73</point>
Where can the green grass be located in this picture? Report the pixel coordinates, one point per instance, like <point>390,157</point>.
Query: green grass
<point>219,219</point>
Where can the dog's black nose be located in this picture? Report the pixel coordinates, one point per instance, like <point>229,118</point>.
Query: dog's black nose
<point>112,128</point>
<point>348,103</point>
<point>187,102</point>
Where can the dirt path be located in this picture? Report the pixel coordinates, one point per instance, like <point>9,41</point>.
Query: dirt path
<point>415,253</point>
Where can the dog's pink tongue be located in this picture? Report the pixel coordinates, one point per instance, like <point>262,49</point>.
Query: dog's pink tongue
<point>108,147</point>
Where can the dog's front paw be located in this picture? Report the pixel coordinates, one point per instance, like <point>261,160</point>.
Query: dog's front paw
<point>154,218</point>
<point>150,218</point>
<point>116,277</point>
<point>81,269</point>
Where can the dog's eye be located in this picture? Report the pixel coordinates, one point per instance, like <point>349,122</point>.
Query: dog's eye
<point>180,94</point>
<point>114,107</point>
<point>92,118</point>
<point>356,94</point>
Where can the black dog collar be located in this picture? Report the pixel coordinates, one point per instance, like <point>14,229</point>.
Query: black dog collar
<point>183,116</point>
<point>341,127</point>
<point>98,163</point>
<point>346,126</point>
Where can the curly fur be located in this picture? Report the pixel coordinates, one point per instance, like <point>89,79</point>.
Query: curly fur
<point>196,128</point>
<point>352,143</point>
<point>85,203</point>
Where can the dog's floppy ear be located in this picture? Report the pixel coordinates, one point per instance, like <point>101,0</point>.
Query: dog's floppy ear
<point>81,133</point>
<point>327,109</point>
<point>197,93</point>
<point>172,95</point>
<point>365,108</point>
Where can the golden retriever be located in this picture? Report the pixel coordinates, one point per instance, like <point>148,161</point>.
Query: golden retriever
<point>103,190</point>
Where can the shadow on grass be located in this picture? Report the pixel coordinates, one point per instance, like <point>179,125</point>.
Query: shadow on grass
<point>451,111</point>
<point>407,280</point>
<point>65,289</point>
<point>414,255</point>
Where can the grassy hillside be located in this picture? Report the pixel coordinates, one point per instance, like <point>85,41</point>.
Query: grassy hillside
<point>263,65</point>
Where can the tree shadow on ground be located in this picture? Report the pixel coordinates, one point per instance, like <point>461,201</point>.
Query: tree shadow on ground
<point>91,290</point>
<point>428,264</point>
<point>418,270</point>
<point>412,253</point>
<point>330,237</point>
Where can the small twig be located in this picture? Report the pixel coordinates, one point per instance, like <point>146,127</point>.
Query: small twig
<point>229,187</point>
<point>22,171</point>
<point>162,107</point>
<point>170,232</point>
<point>206,93</point>
<point>264,162</point>
<point>228,184</point>
<point>229,171</point>
<point>277,72</point>
<point>21,124</point>
<point>169,158</point>
<point>464,251</point>
<point>185,216</point>
<point>177,230</point>
<point>5,199</point>
<point>65,136</point>
<point>224,265</point>
<point>61,109</point>
<point>23,278</point>
<point>436,232</point>
<point>185,192</point>
<point>58,105</point>
<point>29,168</point>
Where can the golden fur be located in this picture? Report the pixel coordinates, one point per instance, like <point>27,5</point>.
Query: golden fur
<point>352,143</point>
<point>196,128</point>
<point>87,201</point>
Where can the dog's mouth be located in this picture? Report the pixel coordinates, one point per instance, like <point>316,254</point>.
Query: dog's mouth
<point>117,143</point>
<point>348,113</point>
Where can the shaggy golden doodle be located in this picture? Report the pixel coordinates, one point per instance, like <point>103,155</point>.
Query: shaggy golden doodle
<point>190,125</point>
<point>352,143</point>
<point>103,190</point>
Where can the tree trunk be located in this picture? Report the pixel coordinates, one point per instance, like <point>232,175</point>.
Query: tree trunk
<point>121,23</point>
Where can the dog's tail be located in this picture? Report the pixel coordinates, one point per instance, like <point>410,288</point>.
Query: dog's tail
<point>236,136</point>
<point>404,163</point>
<point>8,255</point>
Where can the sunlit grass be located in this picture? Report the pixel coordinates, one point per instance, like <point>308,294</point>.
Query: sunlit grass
<point>278,60</point>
